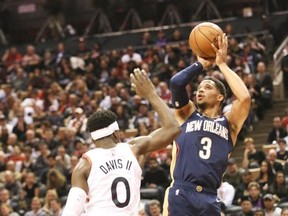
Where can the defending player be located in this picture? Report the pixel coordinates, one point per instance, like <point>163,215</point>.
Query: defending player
<point>201,152</point>
<point>110,175</point>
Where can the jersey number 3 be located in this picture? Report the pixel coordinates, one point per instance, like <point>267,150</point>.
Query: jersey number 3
<point>205,152</point>
<point>114,192</point>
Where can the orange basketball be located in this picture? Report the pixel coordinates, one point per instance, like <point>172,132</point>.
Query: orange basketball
<point>201,37</point>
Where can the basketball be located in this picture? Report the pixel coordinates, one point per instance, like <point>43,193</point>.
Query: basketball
<point>201,37</point>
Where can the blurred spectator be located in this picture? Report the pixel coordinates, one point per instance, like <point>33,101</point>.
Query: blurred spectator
<point>48,138</point>
<point>30,187</point>
<point>63,159</point>
<point>56,207</point>
<point>60,53</point>
<point>282,153</point>
<point>255,196</point>
<point>246,207</point>
<point>28,162</point>
<point>249,57</point>
<point>78,122</point>
<point>155,177</point>
<point>57,181</point>
<point>19,80</point>
<point>20,127</point>
<point>232,174</point>
<point>252,157</point>
<point>242,188</point>
<point>146,39</point>
<point>154,207</point>
<point>41,162</point>
<point>5,199</point>
<point>277,132</point>
<point>266,176</point>
<point>36,208</point>
<point>265,81</point>
<point>74,160</point>
<point>31,59</point>
<point>11,166</point>
<point>259,212</point>
<point>7,210</point>
<point>272,156</point>
<point>11,58</point>
<point>141,117</point>
<point>176,36</point>
<point>161,39</point>
<point>50,195</point>
<point>122,116</point>
<point>165,92</point>
<point>234,49</point>
<point>131,55</point>
<point>269,206</point>
<point>279,187</point>
<point>11,184</point>
<point>82,51</point>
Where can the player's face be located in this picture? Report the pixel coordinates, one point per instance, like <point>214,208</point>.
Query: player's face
<point>206,93</point>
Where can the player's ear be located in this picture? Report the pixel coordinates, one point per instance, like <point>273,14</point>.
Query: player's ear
<point>116,135</point>
<point>220,97</point>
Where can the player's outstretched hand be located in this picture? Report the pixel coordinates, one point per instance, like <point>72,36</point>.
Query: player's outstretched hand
<point>141,84</point>
<point>221,52</point>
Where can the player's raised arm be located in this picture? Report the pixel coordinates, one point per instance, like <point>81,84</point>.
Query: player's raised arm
<point>183,106</point>
<point>170,129</point>
<point>241,106</point>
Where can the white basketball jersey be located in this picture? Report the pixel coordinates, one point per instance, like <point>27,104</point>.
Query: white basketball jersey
<point>114,182</point>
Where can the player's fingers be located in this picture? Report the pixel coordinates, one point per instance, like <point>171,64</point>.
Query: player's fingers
<point>138,74</point>
<point>223,37</point>
<point>214,47</point>
<point>133,87</point>
<point>136,71</point>
<point>144,74</point>
<point>219,41</point>
<point>132,78</point>
<point>226,39</point>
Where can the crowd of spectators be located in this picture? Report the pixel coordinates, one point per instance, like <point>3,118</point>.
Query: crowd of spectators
<point>46,97</point>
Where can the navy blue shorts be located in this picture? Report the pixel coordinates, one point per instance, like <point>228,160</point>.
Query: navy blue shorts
<point>190,200</point>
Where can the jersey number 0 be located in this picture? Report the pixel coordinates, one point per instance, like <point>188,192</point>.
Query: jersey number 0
<point>114,192</point>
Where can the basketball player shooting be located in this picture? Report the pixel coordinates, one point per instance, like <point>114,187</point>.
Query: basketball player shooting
<point>200,153</point>
<point>110,175</point>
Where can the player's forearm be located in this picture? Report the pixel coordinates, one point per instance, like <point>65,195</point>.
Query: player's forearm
<point>235,83</point>
<point>75,202</point>
<point>183,77</point>
<point>179,82</point>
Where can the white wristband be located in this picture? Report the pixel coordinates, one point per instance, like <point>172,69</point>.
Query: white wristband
<point>75,202</point>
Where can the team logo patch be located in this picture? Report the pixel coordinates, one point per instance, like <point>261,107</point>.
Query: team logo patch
<point>199,188</point>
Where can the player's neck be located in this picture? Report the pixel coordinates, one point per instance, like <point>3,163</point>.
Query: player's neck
<point>210,113</point>
<point>106,143</point>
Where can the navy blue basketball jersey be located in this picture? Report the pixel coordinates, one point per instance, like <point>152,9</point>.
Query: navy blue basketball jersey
<point>202,151</point>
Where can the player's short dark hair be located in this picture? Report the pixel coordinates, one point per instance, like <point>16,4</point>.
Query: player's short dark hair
<point>100,119</point>
<point>219,85</point>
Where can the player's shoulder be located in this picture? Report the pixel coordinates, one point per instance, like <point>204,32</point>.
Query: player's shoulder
<point>185,112</point>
